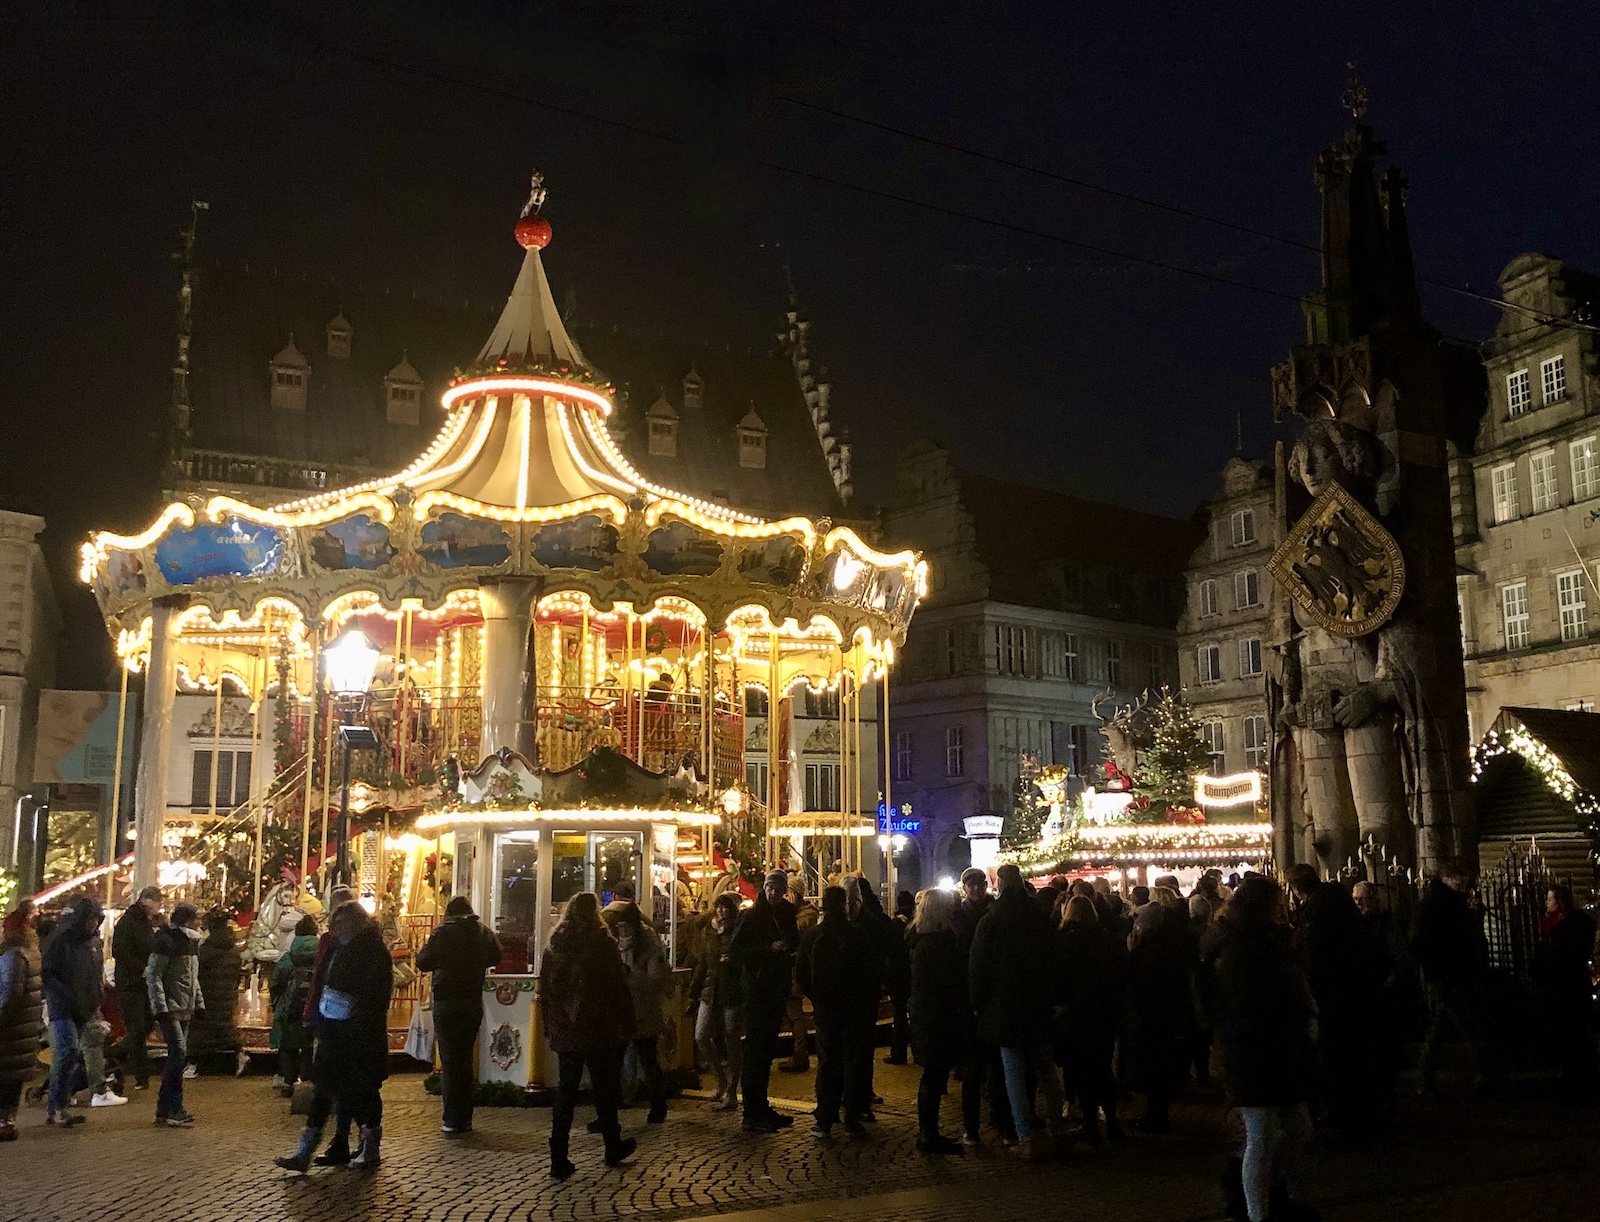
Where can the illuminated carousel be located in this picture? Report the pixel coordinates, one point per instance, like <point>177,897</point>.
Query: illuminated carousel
<point>550,653</point>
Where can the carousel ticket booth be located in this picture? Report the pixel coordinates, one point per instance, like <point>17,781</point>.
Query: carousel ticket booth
<point>562,651</point>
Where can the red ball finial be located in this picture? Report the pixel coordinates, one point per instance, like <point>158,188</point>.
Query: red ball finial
<point>533,232</point>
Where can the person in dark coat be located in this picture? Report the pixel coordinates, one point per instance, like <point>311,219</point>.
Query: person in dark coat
<point>338,1153</point>
<point>1449,946</point>
<point>835,971</point>
<point>173,979</point>
<point>21,1012</point>
<point>130,953</point>
<point>885,940</point>
<point>897,977</point>
<point>937,1007</point>
<point>764,947</point>
<point>215,1031</point>
<point>70,971</point>
<point>290,986</point>
<point>1567,934</point>
<point>1258,1006</point>
<point>980,1060</point>
<point>589,1021</point>
<point>459,954</point>
<point>716,991</point>
<point>1396,1001</point>
<point>1014,980</point>
<point>1161,957</point>
<point>351,1059</point>
<point>1344,967</point>
<point>1086,1028</point>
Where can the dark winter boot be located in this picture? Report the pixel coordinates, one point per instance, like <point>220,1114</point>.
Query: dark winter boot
<point>370,1154</point>
<point>300,1160</point>
<point>620,1151</point>
<point>338,1152</point>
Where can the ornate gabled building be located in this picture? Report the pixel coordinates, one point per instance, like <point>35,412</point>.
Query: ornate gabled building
<point>1223,633</point>
<point>1527,538</point>
<point>1040,604</point>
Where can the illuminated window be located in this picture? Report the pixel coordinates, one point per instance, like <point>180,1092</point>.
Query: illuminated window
<point>822,786</point>
<point>1246,589</point>
<point>1250,657</point>
<point>1211,733</point>
<point>1503,483</point>
<point>1585,468</point>
<point>233,779</point>
<point>1244,527</point>
<point>1255,741</point>
<point>1208,598</point>
<point>1553,379</point>
<point>1209,659</point>
<point>1514,614</point>
<point>1542,480</point>
<point>1519,397</point>
<point>1571,597</point>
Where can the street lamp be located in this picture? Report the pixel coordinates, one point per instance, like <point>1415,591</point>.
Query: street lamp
<point>351,662</point>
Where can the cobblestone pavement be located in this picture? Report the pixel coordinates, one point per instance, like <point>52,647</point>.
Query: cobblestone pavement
<point>1509,1162</point>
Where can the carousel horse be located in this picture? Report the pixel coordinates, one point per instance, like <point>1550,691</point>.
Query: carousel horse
<point>273,929</point>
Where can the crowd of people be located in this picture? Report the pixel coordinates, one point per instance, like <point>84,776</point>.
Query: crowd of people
<point>1051,1003</point>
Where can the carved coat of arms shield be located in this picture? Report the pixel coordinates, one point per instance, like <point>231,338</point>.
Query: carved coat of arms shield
<point>1340,566</point>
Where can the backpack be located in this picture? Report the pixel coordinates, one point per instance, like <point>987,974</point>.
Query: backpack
<point>299,990</point>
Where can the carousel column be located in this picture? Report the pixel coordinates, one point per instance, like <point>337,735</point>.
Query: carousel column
<point>507,617</point>
<point>160,691</point>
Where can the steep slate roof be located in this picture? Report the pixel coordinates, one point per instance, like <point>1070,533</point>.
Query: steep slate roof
<point>243,320</point>
<point>1025,536</point>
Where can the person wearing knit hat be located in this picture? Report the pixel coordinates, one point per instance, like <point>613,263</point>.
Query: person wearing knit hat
<point>764,947</point>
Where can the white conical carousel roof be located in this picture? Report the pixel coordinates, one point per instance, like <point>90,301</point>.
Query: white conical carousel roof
<point>529,327</point>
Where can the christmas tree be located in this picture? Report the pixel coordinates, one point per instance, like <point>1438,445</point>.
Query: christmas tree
<point>1025,824</point>
<point>1177,754</point>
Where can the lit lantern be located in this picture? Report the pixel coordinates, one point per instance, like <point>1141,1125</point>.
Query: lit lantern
<point>352,661</point>
<point>533,232</point>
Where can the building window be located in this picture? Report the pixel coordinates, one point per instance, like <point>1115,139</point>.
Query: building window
<point>1069,657</point>
<point>1514,612</point>
<point>1210,663</point>
<point>1080,749</point>
<point>1503,483</point>
<point>1585,468</point>
<point>664,438</point>
<point>822,786</point>
<point>1542,480</point>
<point>752,430</point>
<point>1010,649</point>
<point>755,702</point>
<point>1114,663</point>
<point>1250,656</point>
<point>755,780</point>
<point>1255,741</point>
<point>1573,603</point>
<point>1519,396</point>
<point>1208,597</point>
<point>823,705</point>
<point>1246,589</point>
<point>1553,379</point>
<point>1051,655</point>
<point>1155,669</point>
<point>1244,527</point>
<point>952,652</point>
<point>902,755</point>
<point>233,779</point>
<point>954,761</point>
<point>1212,735</point>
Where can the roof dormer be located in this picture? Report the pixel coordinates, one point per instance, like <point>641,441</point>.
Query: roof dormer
<point>693,386</point>
<point>289,372</point>
<point>339,333</point>
<point>752,432</point>
<point>662,423</point>
<point>402,393</point>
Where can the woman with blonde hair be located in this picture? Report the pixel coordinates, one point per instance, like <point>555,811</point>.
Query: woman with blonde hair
<point>938,1004</point>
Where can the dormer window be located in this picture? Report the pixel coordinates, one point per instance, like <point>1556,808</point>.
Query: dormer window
<point>662,420</point>
<point>339,332</point>
<point>402,393</point>
<point>753,441</point>
<point>289,371</point>
<point>693,386</point>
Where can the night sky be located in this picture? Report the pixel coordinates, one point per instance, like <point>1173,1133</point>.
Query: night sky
<point>390,145</point>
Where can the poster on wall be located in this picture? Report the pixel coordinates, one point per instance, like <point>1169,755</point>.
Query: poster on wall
<point>76,738</point>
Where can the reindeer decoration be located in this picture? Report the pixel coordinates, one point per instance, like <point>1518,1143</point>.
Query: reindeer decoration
<point>1127,731</point>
